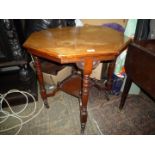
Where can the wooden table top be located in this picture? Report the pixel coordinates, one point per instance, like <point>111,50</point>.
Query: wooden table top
<point>72,44</point>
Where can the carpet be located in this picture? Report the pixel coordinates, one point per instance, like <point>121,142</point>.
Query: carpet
<point>104,117</point>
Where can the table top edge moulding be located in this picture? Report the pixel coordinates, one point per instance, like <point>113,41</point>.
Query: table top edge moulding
<point>67,45</point>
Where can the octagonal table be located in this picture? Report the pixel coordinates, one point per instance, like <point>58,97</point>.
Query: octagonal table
<point>84,46</point>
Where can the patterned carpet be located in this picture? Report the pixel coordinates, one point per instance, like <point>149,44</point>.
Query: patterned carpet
<point>104,117</point>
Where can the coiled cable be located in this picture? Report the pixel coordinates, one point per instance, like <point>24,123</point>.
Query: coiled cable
<point>17,115</point>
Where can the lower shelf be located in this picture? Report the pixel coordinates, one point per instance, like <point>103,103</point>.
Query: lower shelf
<point>72,85</point>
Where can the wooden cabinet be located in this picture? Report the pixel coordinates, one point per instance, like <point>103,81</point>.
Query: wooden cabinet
<point>139,66</point>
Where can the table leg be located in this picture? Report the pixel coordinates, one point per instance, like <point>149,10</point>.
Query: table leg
<point>110,74</point>
<point>41,81</point>
<point>85,93</point>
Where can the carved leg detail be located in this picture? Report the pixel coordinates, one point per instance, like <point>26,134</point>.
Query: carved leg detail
<point>83,110</point>
<point>41,81</point>
<point>88,65</point>
<point>83,114</point>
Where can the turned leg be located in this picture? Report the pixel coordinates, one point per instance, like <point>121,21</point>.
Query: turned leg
<point>125,92</point>
<point>41,81</point>
<point>85,93</point>
<point>109,82</point>
<point>83,108</point>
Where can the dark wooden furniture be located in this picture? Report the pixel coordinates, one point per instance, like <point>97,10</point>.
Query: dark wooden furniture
<point>15,71</point>
<point>140,65</point>
<point>84,46</point>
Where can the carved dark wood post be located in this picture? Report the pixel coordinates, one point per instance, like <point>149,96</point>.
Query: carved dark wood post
<point>41,81</point>
<point>88,65</point>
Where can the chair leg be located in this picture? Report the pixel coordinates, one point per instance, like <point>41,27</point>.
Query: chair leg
<point>125,92</point>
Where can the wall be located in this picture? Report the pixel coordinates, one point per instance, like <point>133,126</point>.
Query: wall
<point>122,22</point>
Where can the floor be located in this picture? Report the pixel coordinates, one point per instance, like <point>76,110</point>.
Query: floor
<point>104,117</point>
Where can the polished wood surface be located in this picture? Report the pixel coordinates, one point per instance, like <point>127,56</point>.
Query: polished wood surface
<point>85,46</point>
<point>71,44</point>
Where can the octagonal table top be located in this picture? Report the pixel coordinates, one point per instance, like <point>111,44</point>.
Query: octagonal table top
<point>71,44</point>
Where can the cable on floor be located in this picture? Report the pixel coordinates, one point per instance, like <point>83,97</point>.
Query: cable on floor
<point>17,115</point>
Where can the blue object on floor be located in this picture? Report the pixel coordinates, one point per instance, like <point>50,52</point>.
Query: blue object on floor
<point>117,84</point>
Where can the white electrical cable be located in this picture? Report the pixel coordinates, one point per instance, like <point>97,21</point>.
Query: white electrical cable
<point>97,126</point>
<point>14,114</point>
